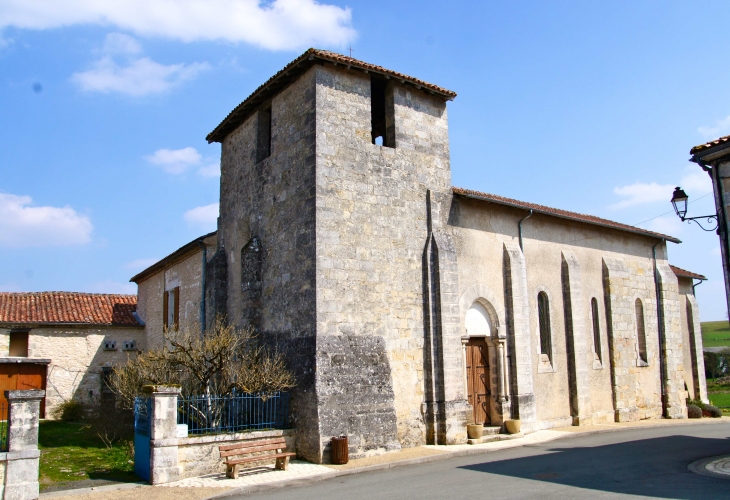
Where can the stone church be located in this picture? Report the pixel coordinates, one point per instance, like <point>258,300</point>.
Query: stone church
<point>409,307</point>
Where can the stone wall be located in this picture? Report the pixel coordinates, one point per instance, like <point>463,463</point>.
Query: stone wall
<point>184,273</point>
<point>274,201</point>
<point>372,232</point>
<point>566,260</point>
<point>77,358</point>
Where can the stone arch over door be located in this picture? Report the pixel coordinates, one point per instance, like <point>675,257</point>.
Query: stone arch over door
<point>482,330</point>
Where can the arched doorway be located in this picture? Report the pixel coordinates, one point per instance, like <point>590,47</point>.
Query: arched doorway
<point>478,329</point>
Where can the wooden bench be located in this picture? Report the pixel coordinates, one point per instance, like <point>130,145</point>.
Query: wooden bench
<point>255,450</point>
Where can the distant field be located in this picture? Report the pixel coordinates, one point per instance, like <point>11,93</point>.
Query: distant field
<point>721,400</point>
<point>716,334</point>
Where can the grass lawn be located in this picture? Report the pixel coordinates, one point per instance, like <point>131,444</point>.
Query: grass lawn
<point>72,452</point>
<point>716,334</point>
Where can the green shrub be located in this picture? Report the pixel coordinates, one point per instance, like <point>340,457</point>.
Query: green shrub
<point>69,411</point>
<point>696,402</point>
<point>723,381</point>
<point>712,411</point>
<point>694,411</point>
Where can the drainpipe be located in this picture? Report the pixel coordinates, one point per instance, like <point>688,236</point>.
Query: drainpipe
<point>204,247</point>
<point>694,285</point>
<point>519,228</point>
<point>660,321</point>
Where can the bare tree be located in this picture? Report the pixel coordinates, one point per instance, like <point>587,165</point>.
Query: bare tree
<point>218,362</point>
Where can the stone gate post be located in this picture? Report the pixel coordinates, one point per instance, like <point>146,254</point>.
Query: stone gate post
<point>21,474</point>
<point>164,466</point>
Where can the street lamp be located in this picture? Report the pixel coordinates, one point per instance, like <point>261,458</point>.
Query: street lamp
<point>679,202</point>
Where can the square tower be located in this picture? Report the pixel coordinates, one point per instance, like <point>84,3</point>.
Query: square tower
<point>332,176</point>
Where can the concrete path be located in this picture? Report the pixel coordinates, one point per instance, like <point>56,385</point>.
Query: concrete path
<point>266,478</point>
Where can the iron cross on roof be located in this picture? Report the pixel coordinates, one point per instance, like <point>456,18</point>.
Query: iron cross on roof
<point>351,50</point>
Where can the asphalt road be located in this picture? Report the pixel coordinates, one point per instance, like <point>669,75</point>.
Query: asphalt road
<point>625,464</point>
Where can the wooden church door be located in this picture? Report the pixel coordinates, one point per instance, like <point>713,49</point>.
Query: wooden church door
<point>477,377</point>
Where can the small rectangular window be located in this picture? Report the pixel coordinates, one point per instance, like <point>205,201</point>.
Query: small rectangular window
<point>641,331</point>
<point>596,328</point>
<point>263,136</point>
<point>380,114</point>
<point>543,311</point>
<point>171,309</point>
<point>19,344</point>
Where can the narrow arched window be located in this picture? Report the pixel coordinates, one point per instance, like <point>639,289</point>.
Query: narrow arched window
<point>641,330</point>
<point>596,328</point>
<point>543,310</point>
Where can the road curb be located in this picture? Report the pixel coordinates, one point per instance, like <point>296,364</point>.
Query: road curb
<point>92,489</point>
<point>700,467</point>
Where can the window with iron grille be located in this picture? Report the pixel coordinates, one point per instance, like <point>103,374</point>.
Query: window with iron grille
<point>641,331</point>
<point>543,309</point>
<point>596,328</point>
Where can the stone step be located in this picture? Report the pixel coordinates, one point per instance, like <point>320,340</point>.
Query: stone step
<point>494,437</point>
<point>491,430</point>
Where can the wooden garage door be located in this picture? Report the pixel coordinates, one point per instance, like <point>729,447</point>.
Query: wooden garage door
<point>21,377</point>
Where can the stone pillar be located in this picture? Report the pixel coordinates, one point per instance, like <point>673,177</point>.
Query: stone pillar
<point>696,348</point>
<point>21,475</point>
<point>518,323</point>
<point>622,354</point>
<point>163,435</point>
<point>671,351</point>
<point>579,356</point>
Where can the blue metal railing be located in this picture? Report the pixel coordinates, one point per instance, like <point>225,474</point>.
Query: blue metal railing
<point>233,413</point>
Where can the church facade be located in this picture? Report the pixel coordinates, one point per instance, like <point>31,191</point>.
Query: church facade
<point>408,307</point>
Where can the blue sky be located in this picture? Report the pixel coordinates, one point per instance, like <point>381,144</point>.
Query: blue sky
<point>104,109</point>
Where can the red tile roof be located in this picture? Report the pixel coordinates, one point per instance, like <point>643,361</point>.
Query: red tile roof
<point>68,307</point>
<point>708,145</point>
<point>683,273</point>
<point>589,219</point>
<point>295,68</point>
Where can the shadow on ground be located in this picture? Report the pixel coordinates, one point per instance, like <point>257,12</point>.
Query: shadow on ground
<point>624,468</point>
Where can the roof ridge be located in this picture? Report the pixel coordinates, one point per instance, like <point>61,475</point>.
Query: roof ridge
<point>559,212</point>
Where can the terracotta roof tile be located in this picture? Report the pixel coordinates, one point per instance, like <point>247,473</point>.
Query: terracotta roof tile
<point>68,307</point>
<point>708,145</point>
<point>683,273</point>
<point>292,70</point>
<point>589,219</point>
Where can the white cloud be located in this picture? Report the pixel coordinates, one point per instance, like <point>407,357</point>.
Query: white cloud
<point>109,286</point>
<point>212,170</point>
<point>275,25</point>
<point>139,77</point>
<point>696,181</point>
<point>139,264</point>
<point>22,225</point>
<point>204,217</point>
<point>639,193</point>
<point>119,43</point>
<point>721,127</point>
<point>669,224</point>
<point>175,161</point>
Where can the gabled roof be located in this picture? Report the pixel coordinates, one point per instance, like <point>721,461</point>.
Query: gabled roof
<point>54,308</point>
<point>564,214</point>
<point>717,142</point>
<point>683,273</point>
<point>298,66</point>
<point>177,255</point>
